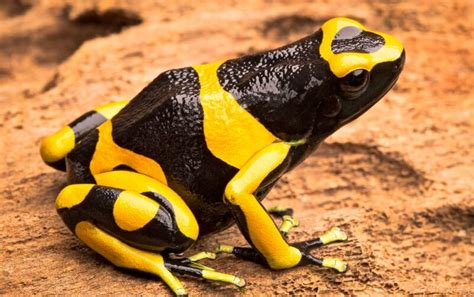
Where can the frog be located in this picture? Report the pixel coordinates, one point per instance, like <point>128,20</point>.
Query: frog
<point>199,148</point>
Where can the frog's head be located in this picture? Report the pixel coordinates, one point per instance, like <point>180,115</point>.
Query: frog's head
<point>363,67</point>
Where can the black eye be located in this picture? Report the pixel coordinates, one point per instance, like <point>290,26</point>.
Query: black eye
<point>355,83</point>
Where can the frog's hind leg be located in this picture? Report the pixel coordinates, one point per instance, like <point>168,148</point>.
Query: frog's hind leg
<point>55,147</point>
<point>129,218</point>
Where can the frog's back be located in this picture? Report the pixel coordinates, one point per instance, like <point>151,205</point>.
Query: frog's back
<point>161,130</point>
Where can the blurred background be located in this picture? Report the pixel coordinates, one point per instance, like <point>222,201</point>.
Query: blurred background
<point>399,179</point>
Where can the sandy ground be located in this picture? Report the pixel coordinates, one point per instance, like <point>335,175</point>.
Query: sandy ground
<point>399,179</point>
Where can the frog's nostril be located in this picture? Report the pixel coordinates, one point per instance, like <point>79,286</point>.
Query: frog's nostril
<point>332,106</point>
<point>399,62</point>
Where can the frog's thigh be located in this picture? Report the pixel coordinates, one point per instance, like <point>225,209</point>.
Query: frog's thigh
<point>122,224</point>
<point>146,220</point>
<point>55,147</point>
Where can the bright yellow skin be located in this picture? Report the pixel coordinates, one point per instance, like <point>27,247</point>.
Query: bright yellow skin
<point>108,155</point>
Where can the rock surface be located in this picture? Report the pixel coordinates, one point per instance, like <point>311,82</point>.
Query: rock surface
<point>399,179</point>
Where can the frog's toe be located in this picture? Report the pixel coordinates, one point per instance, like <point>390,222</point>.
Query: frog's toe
<point>187,266</point>
<point>224,249</point>
<point>335,234</point>
<point>335,263</point>
<point>288,223</point>
<point>202,255</point>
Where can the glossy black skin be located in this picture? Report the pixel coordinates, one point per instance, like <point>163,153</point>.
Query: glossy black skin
<point>290,90</point>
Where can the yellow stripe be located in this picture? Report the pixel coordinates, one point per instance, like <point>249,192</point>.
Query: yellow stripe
<point>109,155</point>
<point>232,133</point>
<point>72,195</point>
<point>133,211</point>
<point>55,147</point>
<point>111,109</point>
<point>139,183</point>
<point>343,63</point>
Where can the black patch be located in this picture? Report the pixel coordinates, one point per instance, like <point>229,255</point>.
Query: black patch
<point>353,39</point>
<point>282,212</point>
<point>78,160</point>
<point>180,241</point>
<point>124,167</point>
<point>160,233</point>
<point>58,165</point>
<point>85,123</point>
<point>160,199</point>
<point>164,122</point>
<point>275,86</point>
<point>263,191</point>
<point>181,266</point>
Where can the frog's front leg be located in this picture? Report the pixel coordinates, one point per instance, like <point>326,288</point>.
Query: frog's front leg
<point>135,222</point>
<point>55,147</point>
<point>269,244</point>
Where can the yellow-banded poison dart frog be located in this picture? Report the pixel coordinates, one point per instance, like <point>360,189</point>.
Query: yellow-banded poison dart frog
<point>200,147</point>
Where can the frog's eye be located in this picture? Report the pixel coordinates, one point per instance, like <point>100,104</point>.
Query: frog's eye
<point>355,83</point>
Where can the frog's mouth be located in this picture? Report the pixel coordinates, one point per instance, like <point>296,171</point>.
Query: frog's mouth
<point>383,78</point>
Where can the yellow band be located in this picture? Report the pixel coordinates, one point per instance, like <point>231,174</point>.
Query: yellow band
<point>343,63</point>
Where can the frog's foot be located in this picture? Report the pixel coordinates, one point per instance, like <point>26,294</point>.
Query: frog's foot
<point>191,267</point>
<point>251,254</point>
<point>335,234</point>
